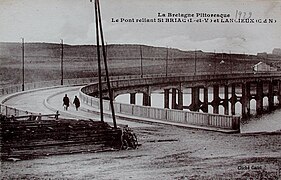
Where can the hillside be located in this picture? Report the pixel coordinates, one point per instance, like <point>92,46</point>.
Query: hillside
<point>42,61</point>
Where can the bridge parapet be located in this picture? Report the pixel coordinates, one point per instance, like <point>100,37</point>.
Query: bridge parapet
<point>199,119</point>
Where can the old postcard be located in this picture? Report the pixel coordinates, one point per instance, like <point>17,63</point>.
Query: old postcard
<point>140,89</point>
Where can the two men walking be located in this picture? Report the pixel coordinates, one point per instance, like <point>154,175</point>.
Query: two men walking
<point>66,101</point>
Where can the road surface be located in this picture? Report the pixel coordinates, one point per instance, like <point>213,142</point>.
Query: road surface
<point>34,101</point>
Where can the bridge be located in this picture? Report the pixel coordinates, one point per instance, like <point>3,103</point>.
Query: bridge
<point>237,88</point>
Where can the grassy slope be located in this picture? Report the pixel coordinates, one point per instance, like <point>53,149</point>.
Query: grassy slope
<point>42,61</point>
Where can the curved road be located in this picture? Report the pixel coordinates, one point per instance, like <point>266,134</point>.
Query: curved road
<point>48,101</point>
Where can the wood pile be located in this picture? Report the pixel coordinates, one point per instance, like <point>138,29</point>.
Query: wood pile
<point>25,139</point>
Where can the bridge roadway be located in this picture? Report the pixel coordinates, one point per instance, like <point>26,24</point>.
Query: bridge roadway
<point>50,99</point>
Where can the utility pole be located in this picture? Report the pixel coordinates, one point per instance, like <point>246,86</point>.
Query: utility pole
<point>195,62</point>
<point>106,68</point>
<point>99,61</point>
<point>222,61</point>
<point>22,46</point>
<point>106,48</point>
<point>244,62</point>
<point>215,66</point>
<point>167,57</point>
<point>141,61</point>
<point>230,62</point>
<point>99,34</point>
<point>61,62</point>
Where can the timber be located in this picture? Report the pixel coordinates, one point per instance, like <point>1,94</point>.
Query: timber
<point>25,139</point>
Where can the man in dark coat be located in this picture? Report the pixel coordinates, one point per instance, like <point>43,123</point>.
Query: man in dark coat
<point>65,102</point>
<point>76,102</point>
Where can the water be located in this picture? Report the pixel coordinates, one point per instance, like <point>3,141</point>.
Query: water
<point>265,123</point>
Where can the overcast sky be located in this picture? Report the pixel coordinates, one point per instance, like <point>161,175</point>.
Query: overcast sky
<point>73,21</point>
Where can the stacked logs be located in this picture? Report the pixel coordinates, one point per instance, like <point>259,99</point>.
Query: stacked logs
<point>25,139</point>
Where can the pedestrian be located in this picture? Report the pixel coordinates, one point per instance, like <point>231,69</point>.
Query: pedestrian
<point>76,102</point>
<point>65,102</point>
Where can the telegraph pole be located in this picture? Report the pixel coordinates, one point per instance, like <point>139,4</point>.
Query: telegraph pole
<point>99,61</point>
<point>231,63</point>
<point>61,62</point>
<point>167,57</point>
<point>22,46</point>
<point>244,62</point>
<point>141,61</point>
<point>195,62</point>
<point>104,49</point>
<point>215,66</point>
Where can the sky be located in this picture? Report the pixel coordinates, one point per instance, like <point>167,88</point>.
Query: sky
<point>73,21</point>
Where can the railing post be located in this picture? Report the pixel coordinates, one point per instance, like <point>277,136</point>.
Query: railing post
<point>209,119</point>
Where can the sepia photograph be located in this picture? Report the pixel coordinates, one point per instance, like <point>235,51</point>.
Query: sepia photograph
<point>140,89</point>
